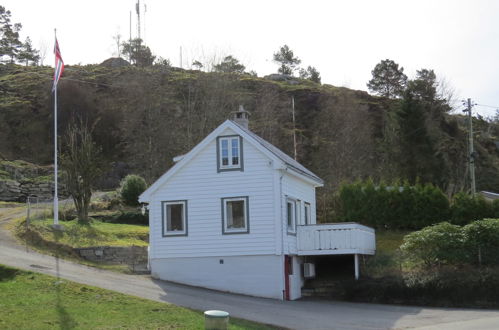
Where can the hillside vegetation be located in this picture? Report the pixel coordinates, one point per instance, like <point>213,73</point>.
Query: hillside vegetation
<point>143,117</point>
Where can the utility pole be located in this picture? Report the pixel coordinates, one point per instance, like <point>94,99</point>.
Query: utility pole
<point>294,124</point>
<point>471,156</point>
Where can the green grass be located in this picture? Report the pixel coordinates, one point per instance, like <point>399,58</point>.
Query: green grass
<point>96,233</point>
<point>386,261</point>
<point>34,301</point>
<point>10,204</point>
<point>388,241</point>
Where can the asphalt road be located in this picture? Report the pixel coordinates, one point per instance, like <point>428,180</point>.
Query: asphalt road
<point>302,314</point>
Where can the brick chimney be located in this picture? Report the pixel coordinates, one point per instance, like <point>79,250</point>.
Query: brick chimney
<point>241,117</point>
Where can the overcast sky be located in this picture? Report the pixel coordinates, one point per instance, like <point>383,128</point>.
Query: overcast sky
<point>344,40</point>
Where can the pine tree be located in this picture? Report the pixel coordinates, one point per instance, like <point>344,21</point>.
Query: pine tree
<point>230,64</point>
<point>28,54</point>
<point>287,60</point>
<point>388,79</point>
<point>10,44</point>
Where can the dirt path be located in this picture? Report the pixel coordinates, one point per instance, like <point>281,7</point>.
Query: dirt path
<point>303,314</point>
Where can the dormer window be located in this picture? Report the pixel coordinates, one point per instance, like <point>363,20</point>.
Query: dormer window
<point>229,153</point>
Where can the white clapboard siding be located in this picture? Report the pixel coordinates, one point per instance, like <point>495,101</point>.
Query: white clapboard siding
<point>342,238</point>
<point>202,186</point>
<point>300,191</point>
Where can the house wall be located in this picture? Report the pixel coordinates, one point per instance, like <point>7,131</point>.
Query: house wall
<point>202,186</point>
<point>252,275</point>
<point>296,280</point>
<point>301,191</point>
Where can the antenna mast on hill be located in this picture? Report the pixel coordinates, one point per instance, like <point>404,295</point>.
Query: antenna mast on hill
<point>137,9</point>
<point>145,10</point>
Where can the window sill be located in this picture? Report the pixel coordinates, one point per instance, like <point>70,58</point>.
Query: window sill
<point>232,232</point>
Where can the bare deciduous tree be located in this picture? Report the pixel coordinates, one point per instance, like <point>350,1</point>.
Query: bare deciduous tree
<point>82,165</point>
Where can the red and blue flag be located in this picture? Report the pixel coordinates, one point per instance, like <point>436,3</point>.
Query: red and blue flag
<point>59,65</point>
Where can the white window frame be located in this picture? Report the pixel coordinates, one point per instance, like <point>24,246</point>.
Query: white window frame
<point>225,229</point>
<point>291,230</point>
<point>307,213</point>
<point>164,214</point>
<point>230,166</point>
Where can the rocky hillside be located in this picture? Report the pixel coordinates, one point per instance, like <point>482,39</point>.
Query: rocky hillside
<point>143,117</point>
<point>20,179</point>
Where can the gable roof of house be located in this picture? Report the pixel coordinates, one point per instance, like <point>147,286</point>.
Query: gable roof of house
<point>281,155</point>
<point>265,147</point>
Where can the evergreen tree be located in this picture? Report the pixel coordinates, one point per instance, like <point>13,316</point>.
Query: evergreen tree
<point>28,54</point>
<point>388,79</point>
<point>229,64</point>
<point>418,158</point>
<point>10,44</point>
<point>311,73</point>
<point>287,60</point>
<point>138,53</point>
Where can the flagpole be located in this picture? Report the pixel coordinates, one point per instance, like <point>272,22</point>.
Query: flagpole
<point>56,197</point>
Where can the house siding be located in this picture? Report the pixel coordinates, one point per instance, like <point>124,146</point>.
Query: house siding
<point>203,187</point>
<point>252,275</point>
<point>301,192</point>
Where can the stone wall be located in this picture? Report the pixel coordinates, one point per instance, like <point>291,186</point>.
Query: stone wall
<point>15,191</point>
<point>134,256</point>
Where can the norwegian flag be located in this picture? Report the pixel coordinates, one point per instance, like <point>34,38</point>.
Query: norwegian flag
<point>59,65</point>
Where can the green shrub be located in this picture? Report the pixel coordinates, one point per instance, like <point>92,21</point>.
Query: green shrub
<point>447,288</point>
<point>465,208</point>
<point>130,218</point>
<point>399,206</point>
<point>482,241</point>
<point>131,188</point>
<point>435,245</point>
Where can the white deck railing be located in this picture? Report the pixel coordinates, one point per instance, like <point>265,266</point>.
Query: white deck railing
<point>338,238</point>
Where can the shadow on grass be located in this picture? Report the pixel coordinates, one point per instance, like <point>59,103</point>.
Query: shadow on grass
<point>65,319</point>
<point>7,274</point>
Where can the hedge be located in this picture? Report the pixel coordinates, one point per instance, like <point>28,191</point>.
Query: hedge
<point>398,206</point>
<point>402,206</point>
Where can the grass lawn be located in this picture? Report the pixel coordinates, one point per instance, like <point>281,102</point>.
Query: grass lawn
<point>385,261</point>
<point>96,233</point>
<point>389,241</point>
<point>35,301</point>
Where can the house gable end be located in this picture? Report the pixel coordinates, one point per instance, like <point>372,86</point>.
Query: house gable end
<point>220,130</point>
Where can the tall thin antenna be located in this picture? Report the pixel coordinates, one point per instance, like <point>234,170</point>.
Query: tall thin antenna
<point>137,9</point>
<point>181,57</point>
<point>145,10</point>
<point>130,38</point>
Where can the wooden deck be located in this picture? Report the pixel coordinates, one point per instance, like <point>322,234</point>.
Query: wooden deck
<point>337,238</point>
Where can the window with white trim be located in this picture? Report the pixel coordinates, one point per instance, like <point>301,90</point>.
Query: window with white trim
<point>308,214</point>
<point>174,218</point>
<point>235,215</point>
<point>291,216</point>
<point>229,152</point>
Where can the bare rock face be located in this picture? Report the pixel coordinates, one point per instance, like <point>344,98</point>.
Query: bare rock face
<point>10,190</point>
<point>20,179</point>
<point>115,62</point>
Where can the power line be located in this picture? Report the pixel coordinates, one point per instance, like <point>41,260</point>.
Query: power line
<point>487,106</point>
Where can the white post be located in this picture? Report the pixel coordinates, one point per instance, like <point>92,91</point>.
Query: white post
<point>356,260</point>
<point>56,198</point>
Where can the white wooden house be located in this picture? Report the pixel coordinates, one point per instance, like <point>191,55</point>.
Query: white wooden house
<point>237,214</point>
